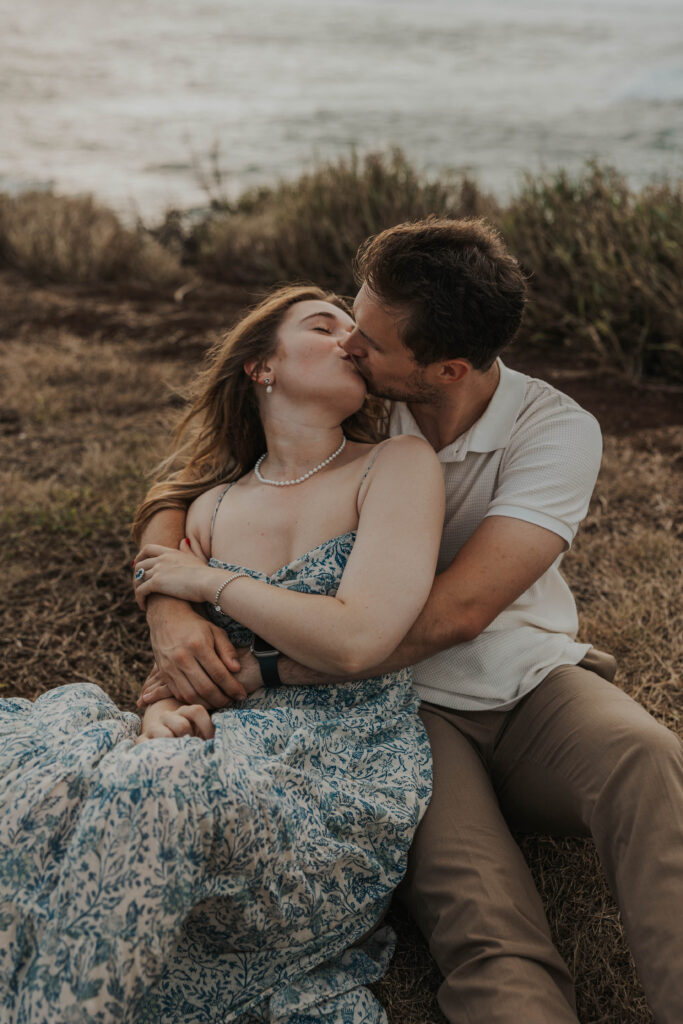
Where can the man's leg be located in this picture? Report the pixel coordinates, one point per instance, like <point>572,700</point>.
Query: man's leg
<point>579,755</point>
<point>471,893</point>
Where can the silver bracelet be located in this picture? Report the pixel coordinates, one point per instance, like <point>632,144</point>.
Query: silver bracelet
<point>235,576</point>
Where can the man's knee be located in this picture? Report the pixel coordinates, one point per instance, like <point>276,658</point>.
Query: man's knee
<point>645,760</point>
<point>647,743</point>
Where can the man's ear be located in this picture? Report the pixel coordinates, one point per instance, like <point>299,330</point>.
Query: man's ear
<point>454,371</point>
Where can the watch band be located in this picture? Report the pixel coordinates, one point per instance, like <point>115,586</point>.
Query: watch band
<point>269,672</point>
<point>267,656</point>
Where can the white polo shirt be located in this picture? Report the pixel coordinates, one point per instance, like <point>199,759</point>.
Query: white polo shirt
<point>534,455</point>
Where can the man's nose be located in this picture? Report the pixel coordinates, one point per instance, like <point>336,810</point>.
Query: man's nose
<point>353,344</point>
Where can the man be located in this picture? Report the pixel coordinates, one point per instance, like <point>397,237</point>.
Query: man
<point>527,731</point>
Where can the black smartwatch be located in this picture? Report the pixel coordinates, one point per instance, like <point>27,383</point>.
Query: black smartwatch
<point>267,656</point>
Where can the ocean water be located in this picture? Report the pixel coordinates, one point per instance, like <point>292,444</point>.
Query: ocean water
<point>128,98</point>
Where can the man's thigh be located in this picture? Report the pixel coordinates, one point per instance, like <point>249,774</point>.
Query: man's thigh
<point>560,746</point>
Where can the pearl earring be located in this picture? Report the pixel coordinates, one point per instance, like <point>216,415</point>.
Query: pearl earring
<point>269,386</point>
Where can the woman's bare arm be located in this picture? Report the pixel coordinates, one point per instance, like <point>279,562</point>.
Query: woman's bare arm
<point>384,586</point>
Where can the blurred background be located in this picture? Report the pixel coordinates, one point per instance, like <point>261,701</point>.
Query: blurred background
<point>134,100</point>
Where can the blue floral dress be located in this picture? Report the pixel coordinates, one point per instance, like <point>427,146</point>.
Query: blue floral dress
<point>186,881</point>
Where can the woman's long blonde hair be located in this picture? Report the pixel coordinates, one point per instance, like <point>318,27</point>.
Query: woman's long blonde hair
<point>221,436</point>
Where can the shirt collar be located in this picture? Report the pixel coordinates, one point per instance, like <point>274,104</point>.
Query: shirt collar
<point>489,433</point>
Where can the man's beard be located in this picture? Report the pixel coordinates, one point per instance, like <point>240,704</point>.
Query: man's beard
<point>414,389</point>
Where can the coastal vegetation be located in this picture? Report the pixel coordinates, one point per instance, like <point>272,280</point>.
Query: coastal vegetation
<point>75,240</point>
<point>605,262</point>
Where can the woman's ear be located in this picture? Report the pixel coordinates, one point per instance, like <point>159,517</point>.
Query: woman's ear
<point>254,370</point>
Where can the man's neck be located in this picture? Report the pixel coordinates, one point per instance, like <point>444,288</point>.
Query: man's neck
<point>443,422</point>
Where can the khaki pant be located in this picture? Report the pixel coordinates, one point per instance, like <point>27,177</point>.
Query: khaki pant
<point>575,756</point>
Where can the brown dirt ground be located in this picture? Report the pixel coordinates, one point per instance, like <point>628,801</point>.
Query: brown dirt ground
<point>88,389</point>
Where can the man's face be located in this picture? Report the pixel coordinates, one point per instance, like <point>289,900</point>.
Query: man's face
<point>378,353</point>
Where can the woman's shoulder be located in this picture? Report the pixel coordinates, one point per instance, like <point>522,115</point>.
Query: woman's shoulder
<point>206,501</point>
<point>402,448</point>
<point>201,513</point>
<point>401,460</point>
<point>408,443</point>
<point>398,444</point>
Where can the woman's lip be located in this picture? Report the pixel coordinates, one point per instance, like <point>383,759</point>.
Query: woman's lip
<point>352,364</point>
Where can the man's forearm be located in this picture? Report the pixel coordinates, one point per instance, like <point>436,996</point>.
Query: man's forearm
<point>166,527</point>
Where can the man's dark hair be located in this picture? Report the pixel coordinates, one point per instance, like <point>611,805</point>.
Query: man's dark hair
<point>462,291</point>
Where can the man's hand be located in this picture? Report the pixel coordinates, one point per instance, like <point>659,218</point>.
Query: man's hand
<point>194,658</point>
<point>249,677</point>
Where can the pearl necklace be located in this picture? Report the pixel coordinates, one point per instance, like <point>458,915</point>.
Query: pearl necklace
<point>299,479</point>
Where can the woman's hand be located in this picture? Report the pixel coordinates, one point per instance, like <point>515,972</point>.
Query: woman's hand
<point>160,570</point>
<point>187,720</point>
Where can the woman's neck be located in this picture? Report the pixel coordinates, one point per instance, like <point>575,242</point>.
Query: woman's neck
<point>295,448</point>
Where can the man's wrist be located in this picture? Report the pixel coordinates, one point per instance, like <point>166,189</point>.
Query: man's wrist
<point>286,671</point>
<point>160,606</point>
<point>157,602</point>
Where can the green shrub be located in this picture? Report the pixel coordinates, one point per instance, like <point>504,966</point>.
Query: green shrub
<point>309,229</point>
<point>606,269</point>
<point>58,238</point>
<point>605,262</point>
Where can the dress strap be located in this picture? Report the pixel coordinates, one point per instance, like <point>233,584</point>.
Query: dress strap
<point>369,466</point>
<point>372,460</point>
<point>215,513</point>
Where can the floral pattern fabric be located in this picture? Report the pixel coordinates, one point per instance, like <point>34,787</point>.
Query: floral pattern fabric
<point>186,881</point>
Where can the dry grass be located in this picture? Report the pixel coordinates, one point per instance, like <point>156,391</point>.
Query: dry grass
<point>81,420</point>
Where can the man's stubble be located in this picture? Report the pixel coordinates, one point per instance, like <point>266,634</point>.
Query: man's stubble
<point>414,389</point>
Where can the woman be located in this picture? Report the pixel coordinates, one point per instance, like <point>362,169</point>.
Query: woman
<point>222,873</point>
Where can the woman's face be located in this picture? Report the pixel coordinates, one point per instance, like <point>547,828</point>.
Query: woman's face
<point>309,362</point>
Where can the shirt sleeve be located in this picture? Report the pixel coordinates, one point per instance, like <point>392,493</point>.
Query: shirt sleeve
<point>549,470</point>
